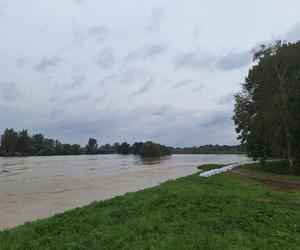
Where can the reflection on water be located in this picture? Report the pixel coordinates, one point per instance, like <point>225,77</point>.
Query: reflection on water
<point>153,160</point>
<point>35,187</point>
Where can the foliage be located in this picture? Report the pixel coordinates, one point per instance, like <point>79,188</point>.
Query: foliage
<point>221,212</point>
<point>124,148</point>
<point>272,168</point>
<point>92,146</point>
<point>210,149</point>
<point>267,111</point>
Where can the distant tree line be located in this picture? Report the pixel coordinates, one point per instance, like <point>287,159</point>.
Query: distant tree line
<point>267,110</point>
<point>21,143</point>
<point>210,149</point>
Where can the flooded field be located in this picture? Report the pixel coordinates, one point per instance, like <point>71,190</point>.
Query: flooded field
<point>37,187</point>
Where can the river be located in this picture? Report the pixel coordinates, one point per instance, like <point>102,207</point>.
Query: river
<point>37,187</point>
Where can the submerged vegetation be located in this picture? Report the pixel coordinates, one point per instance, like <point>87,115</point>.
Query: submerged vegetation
<point>220,212</point>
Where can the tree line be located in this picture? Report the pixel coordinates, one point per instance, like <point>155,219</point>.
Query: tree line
<point>267,110</point>
<point>210,149</point>
<point>21,143</point>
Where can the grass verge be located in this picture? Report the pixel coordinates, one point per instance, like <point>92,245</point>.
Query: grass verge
<point>278,168</point>
<point>220,212</point>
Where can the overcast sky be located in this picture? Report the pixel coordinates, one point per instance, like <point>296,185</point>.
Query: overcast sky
<point>132,70</point>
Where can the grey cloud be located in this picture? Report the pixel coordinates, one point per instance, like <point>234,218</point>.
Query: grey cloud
<point>146,52</point>
<point>293,35</point>
<point>3,7</point>
<point>79,1</point>
<point>124,76</point>
<point>21,62</point>
<point>144,88</point>
<point>75,83</point>
<point>78,36</point>
<point>9,92</point>
<point>99,32</point>
<point>182,83</point>
<point>235,60</point>
<point>154,50</point>
<point>161,111</point>
<point>46,63</point>
<point>156,16</point>
<point>197,32</point>
<point>106,58</point>
<point>216,119</point>
<point>198,88</point>
<point>77,98</point>
<point>226,98</point>
<point>194,60</point>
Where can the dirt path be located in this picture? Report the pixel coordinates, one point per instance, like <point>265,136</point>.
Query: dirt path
<point>268,179</point>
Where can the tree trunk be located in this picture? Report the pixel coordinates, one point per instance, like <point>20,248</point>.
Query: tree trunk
<point>289,153</point>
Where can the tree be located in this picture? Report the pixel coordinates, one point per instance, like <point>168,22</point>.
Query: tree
<point>150,149</point>
<point>9,141</point>
<point>136,147</point>
<point>37,142</point>
<point>124,149</point>
<point>267,110</point>
<point>92,146</point>
<point>23,142</point>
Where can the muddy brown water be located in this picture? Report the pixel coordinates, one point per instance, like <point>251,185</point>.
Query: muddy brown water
<point>38,187</point>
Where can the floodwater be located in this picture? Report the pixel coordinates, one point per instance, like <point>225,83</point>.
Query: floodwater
<point>37,187</point>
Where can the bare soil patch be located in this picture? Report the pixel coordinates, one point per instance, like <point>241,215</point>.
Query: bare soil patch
<point>268,179</point>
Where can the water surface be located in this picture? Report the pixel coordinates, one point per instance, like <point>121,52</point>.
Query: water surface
<point>37,187</point>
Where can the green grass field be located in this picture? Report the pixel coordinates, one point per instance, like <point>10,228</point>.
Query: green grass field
<point>219,212</point>
<point>279,168</point>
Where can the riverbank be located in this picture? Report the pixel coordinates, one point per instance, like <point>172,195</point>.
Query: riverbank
<point>226,211</point>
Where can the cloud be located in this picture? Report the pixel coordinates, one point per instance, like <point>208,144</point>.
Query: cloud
<point>216,119</point>
<point>78,98</point>
<point>197,59</point>
<point>144,88</point>
<point>21,61</point>
<point>156,16</point>
<point>146,52</point>
<point>3,7</point>
<point>198,88</point>
<point>226,98</point>
<point>235,60</point>
<point>293,35</point>
<point>99,32</point>
<point>154,50</point>
<point>124,76</point>
<point>47,63</point>
<point>106,58</point>
<point>194,59</point>
<point>182,83</point>
<point>162,110</point>
<point>9,92</point>
<point>75,83</point>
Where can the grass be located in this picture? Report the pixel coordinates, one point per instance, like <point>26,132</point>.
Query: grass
<point>220,212</point>
<point>278,168</point>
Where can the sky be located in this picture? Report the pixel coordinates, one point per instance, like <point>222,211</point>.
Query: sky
<point>132,70</point>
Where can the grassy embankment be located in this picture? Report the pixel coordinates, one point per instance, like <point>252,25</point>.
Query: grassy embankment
<point>219,212</point>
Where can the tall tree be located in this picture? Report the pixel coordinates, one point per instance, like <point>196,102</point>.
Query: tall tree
<point>23,142</point>
<point>92,146</point>
<point>9,141</point>
<point>267,109</point>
